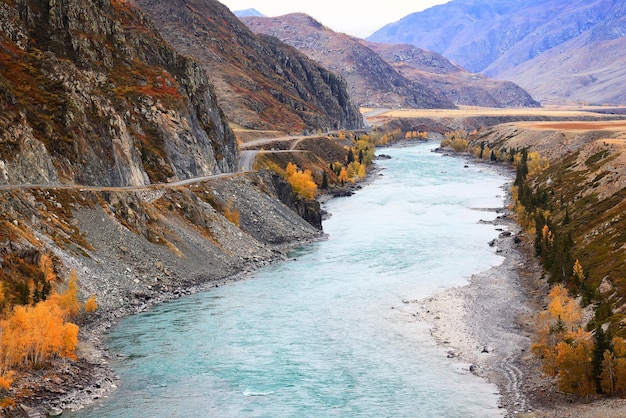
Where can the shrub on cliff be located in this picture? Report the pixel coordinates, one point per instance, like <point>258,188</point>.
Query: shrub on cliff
<point>301,181</point>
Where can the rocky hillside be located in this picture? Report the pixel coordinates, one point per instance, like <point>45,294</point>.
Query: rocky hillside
<point>580,196</point>
<point>97,113</point>
<point>261,83</point>
<point>92,95</point>
<point>132,249</point>
<point>560,51</point>
<point>450,80</point>
<point>372,81</point>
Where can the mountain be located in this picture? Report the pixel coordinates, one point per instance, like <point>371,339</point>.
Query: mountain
<point>390,75</point>
<point>261,83</point>
<point>563,51</point>
<point>372,81</point>
<point>450,80</point>
<point>92,95</point>
<point>247,12</point>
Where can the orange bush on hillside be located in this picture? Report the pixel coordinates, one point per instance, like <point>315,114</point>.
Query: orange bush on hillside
<point>301,181</point>
<point>232,214</point>
<point>32,336</point>
<point>90,304</point>
<point>581,361</point>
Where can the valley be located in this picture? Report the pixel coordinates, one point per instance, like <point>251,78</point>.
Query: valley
<point>154,149</point>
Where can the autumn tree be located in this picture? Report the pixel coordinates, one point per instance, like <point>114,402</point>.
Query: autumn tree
<point>343,175</point>
<point>564,347</point>
<point>32,336</point>
<point>578,274</point>
<point>90,304</point>
<point>68,300</point>
<point>301,181</point>
<point>574,370</point>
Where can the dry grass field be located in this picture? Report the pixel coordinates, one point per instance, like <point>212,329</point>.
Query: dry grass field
<point>471,111</point>
<point>609,125</point>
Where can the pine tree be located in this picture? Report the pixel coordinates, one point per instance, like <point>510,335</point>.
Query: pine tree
<point>350,157</point>
<point>602,344</point>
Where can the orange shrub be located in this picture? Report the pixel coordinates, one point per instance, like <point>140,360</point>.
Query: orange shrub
<point>301,181</point>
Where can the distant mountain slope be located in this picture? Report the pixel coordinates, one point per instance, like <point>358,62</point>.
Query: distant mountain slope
<point>260,82</point>
<point>578,71</point>
<point>371,80</point>
<point>455,83</point>
<point>373,84</point>
<point>497,38</point>
<point>247,12</point>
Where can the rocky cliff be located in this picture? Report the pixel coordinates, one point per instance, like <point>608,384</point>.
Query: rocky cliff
<point>372,81</point>
<point>97,111</point>
<point>261,82</point>
<point>91,94</point>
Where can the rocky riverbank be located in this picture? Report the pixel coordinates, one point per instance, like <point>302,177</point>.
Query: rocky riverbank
<point>489,324</point>
<point>137,249</point>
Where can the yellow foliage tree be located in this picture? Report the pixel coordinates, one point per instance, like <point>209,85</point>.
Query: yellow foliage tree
<point>34,335</point>
<point>608,376</point>
<point>343,175</point>
<point>301,181</point>
<point>90,304</point>
<point>45,265</point>
<point>575,371</point>
<point>564,347</point>
<point>563,306</point>
<point>68,300</point>
<point>613,375</point>
<point>578,274</point>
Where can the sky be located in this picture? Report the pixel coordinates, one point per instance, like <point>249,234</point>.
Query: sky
<point>347,16</point>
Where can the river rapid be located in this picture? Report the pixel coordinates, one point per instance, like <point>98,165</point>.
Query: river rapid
<point>328,332</point>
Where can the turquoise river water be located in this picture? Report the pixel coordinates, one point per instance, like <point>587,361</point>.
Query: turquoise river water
<point>326,334</point>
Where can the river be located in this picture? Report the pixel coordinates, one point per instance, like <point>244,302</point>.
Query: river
<point>327,333</point>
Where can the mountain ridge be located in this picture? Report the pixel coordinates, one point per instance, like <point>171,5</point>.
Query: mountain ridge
<point>379,77</point>
<point>260,83</point>
<point>529,42</point>
<point>372,82</point>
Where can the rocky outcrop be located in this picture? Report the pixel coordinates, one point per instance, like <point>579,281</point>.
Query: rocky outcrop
<point>372,81</point>
<point>307,209</point>
<point>261,82</point>
<point>91,94</point>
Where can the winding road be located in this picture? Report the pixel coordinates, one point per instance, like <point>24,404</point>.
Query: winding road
<point>245,164</point>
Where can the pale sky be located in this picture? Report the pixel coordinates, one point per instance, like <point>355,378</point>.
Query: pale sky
<point>353,17</point>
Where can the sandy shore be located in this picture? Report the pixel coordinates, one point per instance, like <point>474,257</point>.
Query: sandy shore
<point>489,324</point>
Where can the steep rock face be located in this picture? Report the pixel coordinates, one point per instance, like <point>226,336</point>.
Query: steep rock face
<point>372,81</point>
<point>261,83</point>
<point>92,95</point>
<point>452,81</point>
<point>558,40</point>
<point>307,209</point>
